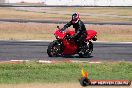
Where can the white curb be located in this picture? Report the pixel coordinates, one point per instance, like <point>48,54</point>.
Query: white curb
<point>94,62</point>
<point>67,61</point>
<point>52,40</point>
<point>19,60</point>
<point>44,61</point>
<point>55,61</point>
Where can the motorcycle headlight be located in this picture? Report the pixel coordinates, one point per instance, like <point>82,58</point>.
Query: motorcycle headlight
<point>57,37</point>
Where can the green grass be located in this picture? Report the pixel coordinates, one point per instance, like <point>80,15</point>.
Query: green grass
<point>60,73</point>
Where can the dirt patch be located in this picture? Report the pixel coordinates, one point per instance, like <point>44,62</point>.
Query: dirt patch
<point>39,31</point>
<point>59,85</point>
<point>87,14</point>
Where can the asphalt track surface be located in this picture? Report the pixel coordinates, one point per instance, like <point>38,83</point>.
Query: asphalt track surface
<point>25,50</point>
<point>63,22</point>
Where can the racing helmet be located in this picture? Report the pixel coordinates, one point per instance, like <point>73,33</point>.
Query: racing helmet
<point>75,18</point>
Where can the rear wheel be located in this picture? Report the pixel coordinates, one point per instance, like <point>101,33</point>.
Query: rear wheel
<point>86,50</point>
<point>54,49</point>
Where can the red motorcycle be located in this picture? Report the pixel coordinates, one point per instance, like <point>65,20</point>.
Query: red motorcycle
<point>64,45</point>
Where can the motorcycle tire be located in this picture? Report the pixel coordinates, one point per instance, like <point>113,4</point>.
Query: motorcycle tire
<point>86,52</point>
<point>53,49</point>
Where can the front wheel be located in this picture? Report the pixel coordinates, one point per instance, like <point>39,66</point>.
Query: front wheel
<point>54,49</point>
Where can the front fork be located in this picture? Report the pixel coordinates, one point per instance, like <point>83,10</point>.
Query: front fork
<point>60,43</point>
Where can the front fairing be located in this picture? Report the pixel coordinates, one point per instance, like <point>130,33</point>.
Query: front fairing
<point>60,35</point>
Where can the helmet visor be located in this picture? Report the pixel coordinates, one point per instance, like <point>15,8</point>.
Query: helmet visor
<point>74,18</point>
<point>74,21</point>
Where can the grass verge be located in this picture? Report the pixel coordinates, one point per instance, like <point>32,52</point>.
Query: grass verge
<point>64,72</point>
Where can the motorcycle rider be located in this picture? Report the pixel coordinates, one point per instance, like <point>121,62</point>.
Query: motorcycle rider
<point>80,29</point>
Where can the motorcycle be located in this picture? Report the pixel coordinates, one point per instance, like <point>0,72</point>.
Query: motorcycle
<point>64,45</point>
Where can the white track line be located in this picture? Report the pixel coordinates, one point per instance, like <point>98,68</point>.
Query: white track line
<point>113,42</point>
<point>52,40</point>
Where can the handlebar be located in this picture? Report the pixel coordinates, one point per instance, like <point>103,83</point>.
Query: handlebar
<point>59,28</point>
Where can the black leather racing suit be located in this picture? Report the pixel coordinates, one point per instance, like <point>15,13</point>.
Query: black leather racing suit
<point>80,31</point>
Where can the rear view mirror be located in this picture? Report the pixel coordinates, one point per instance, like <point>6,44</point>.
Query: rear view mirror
<point>58,27</point>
